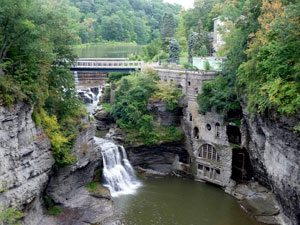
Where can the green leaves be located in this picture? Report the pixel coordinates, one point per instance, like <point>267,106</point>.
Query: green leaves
<point>130,108</point>
<point>10,216</point>
<point>218,95</point>
<point>271,74</point>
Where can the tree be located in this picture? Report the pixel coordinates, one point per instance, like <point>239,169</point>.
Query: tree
<point>174,52</point>
<point>168,26</point>
<point>270,77</point>
<point>35,68</point>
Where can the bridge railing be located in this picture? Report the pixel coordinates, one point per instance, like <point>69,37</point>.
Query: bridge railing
<point>108,64</point>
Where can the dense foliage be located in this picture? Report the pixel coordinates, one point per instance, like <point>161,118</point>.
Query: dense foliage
<point>220,94</point>
<point>10,216</point>
<point>263,57</point>
<point>271,76</point>
<point>35,42</point>
<point>120,20</point>
<point>133,94</point>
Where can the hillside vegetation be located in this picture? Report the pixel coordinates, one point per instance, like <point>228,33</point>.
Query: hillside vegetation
<point>118,20</point>
<point>263,64</point>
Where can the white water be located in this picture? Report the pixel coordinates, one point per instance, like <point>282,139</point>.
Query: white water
<point>76,78</point>
<point>118,173</point>
<point>93,98</point>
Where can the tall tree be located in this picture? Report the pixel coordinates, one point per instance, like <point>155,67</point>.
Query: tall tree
<point>168,26</point>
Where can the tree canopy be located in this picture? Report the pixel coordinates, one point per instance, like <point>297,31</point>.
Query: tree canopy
<point>120,20</point>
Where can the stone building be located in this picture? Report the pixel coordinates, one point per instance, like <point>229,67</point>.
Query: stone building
<point>217,40</point>
<point>210,154</point>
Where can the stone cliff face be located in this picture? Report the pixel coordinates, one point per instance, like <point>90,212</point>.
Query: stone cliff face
<point>274,150</point>
<point>164,158</point>
<point>65,181</point>
<point>27,174</point>
<point>67,185</point>
<point>25,160</point>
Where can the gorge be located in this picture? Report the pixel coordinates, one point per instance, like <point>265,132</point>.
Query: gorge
<point>140,112</point>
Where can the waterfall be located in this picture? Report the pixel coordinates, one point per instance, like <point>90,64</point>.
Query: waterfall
<point>118,173</point>
<point>76,78</point>
<point>90,96</point>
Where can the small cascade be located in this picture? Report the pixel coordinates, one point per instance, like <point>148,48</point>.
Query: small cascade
<point>118,173</point>
<point>76,81</point>
<point>90,96</point>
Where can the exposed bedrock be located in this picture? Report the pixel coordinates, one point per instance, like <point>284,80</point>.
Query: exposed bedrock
<point>25,161</point>
<point>274,150</point>
<point>67,185</point>
<point>104,119</point>
<point>162,115</point>
<point>164,158</point>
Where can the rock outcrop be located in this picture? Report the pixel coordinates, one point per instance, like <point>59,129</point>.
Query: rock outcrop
<point>27,174</point>
<point>25,160</point>
<point>104,119</point>
<point>273,147</point>
<point>67,185</point>
<point>162,115</point>
<point>162,158</point>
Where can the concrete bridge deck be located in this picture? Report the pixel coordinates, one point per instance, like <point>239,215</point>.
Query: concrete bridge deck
<point>106,64</point>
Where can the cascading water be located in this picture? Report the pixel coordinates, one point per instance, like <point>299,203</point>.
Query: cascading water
<point>118,173</point>
<point>76,81</point>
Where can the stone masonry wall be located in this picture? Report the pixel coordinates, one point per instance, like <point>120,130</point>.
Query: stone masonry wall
<point>202,129</point>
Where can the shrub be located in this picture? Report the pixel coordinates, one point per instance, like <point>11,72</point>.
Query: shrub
<point>167,92</point>
<point>115,76</point>
<point>107,106</point>
<point>10,216</point>
<point>207,65</point>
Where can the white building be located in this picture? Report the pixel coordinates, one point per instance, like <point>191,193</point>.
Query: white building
<point>218,41</point>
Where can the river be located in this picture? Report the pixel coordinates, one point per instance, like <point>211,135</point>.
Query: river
<point>107,50</point>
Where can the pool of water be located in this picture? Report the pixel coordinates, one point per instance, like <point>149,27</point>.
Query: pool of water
<point>174,201</point>
<point>103,50</point>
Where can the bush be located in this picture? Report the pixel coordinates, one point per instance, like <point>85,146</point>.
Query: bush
<point>53,210</point>
<point>207,65</point>
<point>10,216</point>
<point>107,106</point>
<point>61,142</point>
<point>167,92</point>
<point>115,76</point>
<point>189,66</point>
<point>130,109</point>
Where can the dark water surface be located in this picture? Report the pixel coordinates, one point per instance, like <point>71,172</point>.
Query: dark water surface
<point>173,201</point>
<point>103,50</point>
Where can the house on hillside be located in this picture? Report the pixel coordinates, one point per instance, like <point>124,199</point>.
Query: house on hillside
<point>212,62</point>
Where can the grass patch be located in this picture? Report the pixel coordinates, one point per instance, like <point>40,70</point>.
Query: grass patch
<point>108,107</point>
<point>52,209</point>
<point>55,211</point>
<point>97,188</point>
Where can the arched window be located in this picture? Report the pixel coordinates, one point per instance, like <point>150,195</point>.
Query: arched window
<point>196,133</point>
<point>208,151</point>
<point>217,129</point>
<point>196,91</point>
<point>189,83</point>
<point>190,116</point>
<point>208,127</point>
